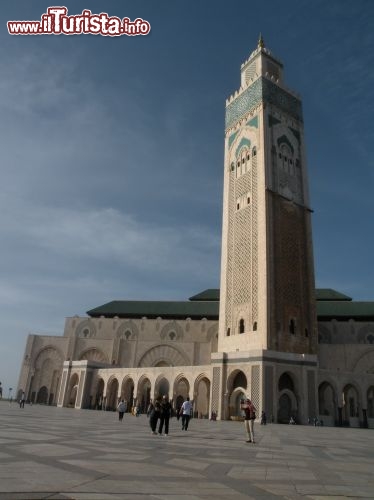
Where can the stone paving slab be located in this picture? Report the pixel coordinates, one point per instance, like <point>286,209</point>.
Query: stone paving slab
<point>65,454</point>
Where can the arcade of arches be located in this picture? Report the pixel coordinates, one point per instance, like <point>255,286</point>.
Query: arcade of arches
<point>107,394</point>
<point>333,410</point>
<point>337,404</point>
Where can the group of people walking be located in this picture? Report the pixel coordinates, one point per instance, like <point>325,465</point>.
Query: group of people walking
<point>160,412</point>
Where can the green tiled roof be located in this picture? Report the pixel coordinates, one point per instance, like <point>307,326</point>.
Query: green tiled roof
<point>330,304</point>
<point>209,294</point>
<point>345,310</point>
<point>153,309</point>
<point>330,294</point>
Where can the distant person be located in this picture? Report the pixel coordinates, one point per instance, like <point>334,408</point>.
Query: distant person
<point>178,412</point>
<point>1,391</point>
<point>150,408</point>
<point>185,412</point>
<point>166,410</point>
<point>155,415</point>
<point>263,418</point>
<point>121,408</point>
<point>292,421</point>
<point>22,400</point>
<point>249,418</point>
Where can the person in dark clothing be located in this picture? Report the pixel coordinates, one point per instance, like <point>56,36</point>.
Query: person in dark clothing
<point>154,415</point>
<point>22,400</point>
<point>165,415</point>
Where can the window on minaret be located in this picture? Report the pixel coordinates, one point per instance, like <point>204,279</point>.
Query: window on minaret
<point>285,156</point>
<point>292,326</point>
<point>254,151</point>
<point>228,332</point>
<point>255,326</point>
<point>241,326</point>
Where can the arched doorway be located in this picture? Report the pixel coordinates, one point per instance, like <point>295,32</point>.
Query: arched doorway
<point>327,403</point>
<point>47,368</point>
<point>202,397</point>
<point>237,385</point>
<point>181,391</point>
<point>42,397</point>
<point>162,387</point>
<point>287,399</point>
<point>99,394</point>
<point>144,394</point>
<point>284,408</point>
<point>127,392</point>
<point>351,406</point>
<point>112,395</point>
<point>73,389</point>
<point>370,402</point>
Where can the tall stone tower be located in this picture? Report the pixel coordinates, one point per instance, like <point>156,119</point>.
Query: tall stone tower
<point>267,327</point>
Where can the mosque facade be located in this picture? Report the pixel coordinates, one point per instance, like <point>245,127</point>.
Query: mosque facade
<point>267,334</point>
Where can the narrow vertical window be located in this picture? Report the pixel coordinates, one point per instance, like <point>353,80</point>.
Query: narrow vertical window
<point>241,326</point>
<point>292,326</point>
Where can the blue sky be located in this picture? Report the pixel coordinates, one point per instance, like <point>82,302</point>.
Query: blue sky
<point>112,152</point>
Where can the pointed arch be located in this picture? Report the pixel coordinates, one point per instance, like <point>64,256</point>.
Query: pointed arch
<point>93,354</point>
<point>172,331</point>
<point>86,329</point>
<point>202,395</point>
<point>126,328</point>
<point>159,353</point>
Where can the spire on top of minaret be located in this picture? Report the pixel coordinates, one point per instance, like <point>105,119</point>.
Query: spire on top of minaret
<point>261,63</point>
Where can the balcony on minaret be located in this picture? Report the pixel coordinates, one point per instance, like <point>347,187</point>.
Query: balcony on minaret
<point>261,63</point>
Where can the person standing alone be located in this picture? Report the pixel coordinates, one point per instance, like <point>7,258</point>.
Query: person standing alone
<point>165,415</point>
<point>249,418</point>
<point>22,400</point>
<point>121,408</point>
<point>185,411</point>
<point>154,415</point>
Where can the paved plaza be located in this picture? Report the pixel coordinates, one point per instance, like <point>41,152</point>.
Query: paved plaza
<point>61,453</point>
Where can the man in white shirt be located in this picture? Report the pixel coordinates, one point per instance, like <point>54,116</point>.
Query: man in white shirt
<point>185,411</point>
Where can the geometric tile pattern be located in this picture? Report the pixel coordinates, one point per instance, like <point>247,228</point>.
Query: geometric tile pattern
<point>262,90</point>
<point>65,454</point>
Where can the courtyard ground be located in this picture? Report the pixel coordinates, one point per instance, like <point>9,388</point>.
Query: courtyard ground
<point>61,453</point>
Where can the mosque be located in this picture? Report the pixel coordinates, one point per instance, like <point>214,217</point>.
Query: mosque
<point>267,333</point>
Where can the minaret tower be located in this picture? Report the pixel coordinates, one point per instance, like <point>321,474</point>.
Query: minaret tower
<point>267,323</point>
